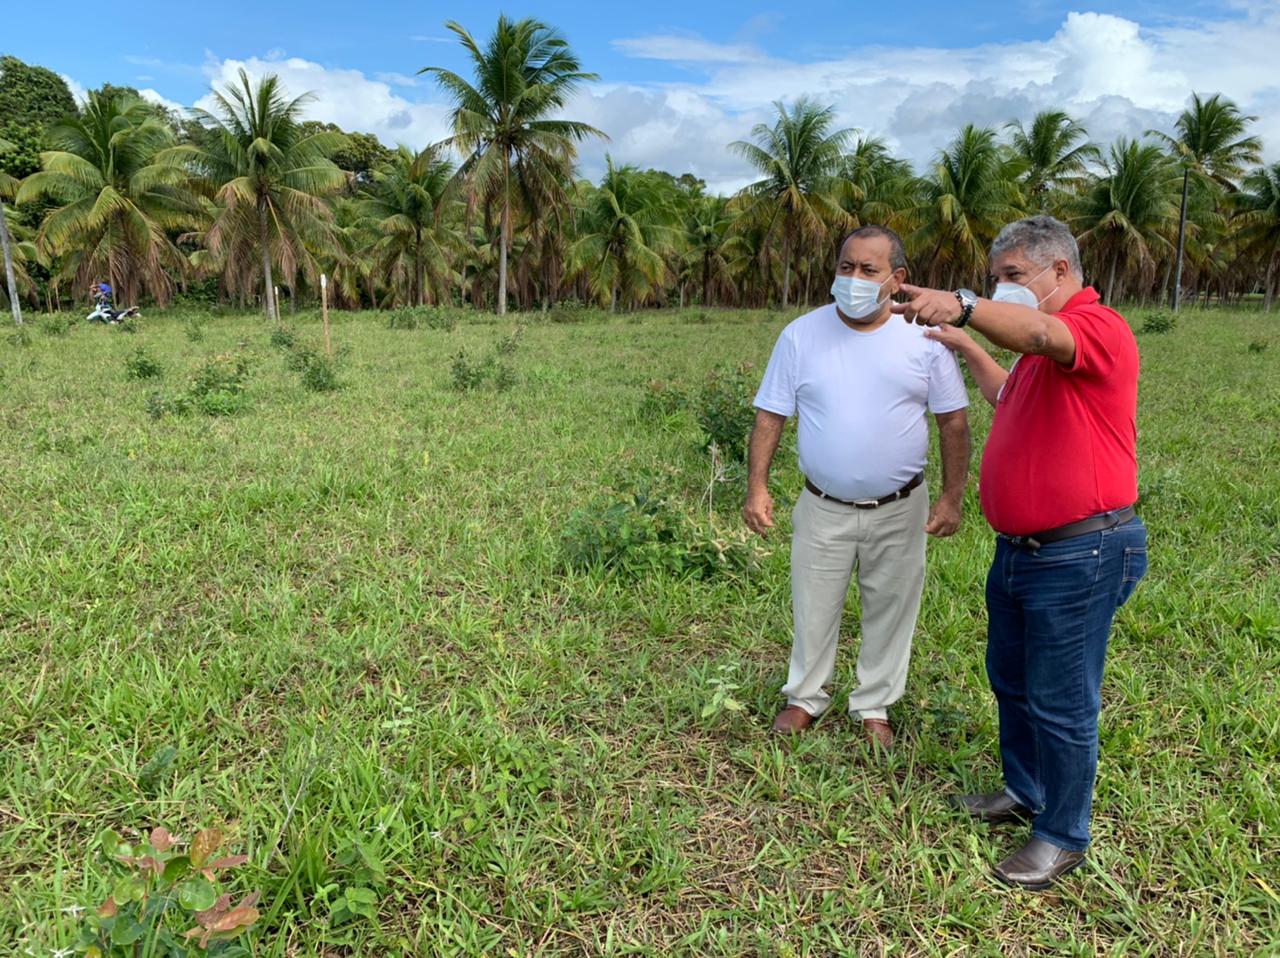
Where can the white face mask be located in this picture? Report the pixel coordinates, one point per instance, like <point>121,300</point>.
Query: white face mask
<point>1018,293</point>
<point>857,298</point>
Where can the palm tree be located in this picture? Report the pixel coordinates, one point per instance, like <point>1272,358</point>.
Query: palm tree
<point>1211,147</point>
<point>505,126</point>
<point>628,223</point>
<point>407,199</point>
<point>1055,153</point>
<point>8,188</point>
<point>968,195</point>
<point>799,158</point>
<point>1127,215</point>
<point>269,176</point>
<point>121,193</point>
<point>1258,216</point>
<point>709,240</point>
<point>875,185</point>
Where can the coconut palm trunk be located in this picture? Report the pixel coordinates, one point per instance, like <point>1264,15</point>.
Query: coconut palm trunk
<point>12,282</point>
<point>1175,297</point>
<point>268,284</point>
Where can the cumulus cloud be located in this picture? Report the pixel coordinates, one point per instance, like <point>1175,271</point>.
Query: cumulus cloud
<point>348,98</point>
<point>1118,76</point>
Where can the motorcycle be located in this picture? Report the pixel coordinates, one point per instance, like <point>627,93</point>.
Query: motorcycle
<point>102,313</point>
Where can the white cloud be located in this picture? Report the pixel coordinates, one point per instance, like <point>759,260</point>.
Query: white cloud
<point>346,97</point>
<point>687,50</point>
<point>151,96</point>
<point>79,93</point>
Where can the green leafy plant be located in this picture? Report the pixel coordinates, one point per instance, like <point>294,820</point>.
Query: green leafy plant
<point>467,374</point>
<point>1161,321</point>
<point>142,365</point>
<point>641,534</point>
<point>319,371</point>
<point>360,878</point>
<point>663,398</point>
<point>724,410</point>
<point>722,690</point>
<point>130,324</point>
<point>1258,346</point>
<point>283,337</point>
<point>193,327</point>
<point>168,901</point>
<point>58,324</point>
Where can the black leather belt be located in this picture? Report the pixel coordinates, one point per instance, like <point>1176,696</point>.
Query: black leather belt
<point>869,503</point>
<point>1103,520</point>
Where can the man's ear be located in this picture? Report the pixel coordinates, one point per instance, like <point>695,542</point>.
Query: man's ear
<point>899,277</point>
<point>1061,269</point>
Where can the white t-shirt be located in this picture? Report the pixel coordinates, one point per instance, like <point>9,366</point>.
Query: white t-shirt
<point>861,398</point>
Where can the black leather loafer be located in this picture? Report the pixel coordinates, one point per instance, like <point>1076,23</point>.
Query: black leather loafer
<point>1037,865</point>
<point>994,808</point>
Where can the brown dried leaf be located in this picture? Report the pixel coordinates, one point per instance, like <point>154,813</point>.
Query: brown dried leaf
<point>239,917</point>
<point>231,861</point>
<point>107,909</point>
<point>161,840</point>
<point>204,845</point>
<point>210,915</point>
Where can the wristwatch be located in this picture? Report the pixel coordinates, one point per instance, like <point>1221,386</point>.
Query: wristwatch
<point>968,299</point>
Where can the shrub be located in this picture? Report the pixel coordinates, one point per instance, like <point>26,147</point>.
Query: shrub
<point>663,398</point>
<point>283,337</point>
<point>58,324</point>
<point>724,410</point>
<point>466,374</point>
<point>402,319</point>
<point>193,326</point>
<point>20,337</point>
<point>141,365</point>
<point>1161,321</point>
<point>1258,346</point>
<point>319,372</point>
<point>167,901</point>
<point>642,534</point>
<point>130,324</point>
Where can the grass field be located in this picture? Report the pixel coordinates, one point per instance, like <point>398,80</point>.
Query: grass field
<point>351,616</point>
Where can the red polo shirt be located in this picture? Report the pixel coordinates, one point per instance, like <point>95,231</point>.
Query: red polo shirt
<point>1063,442</point>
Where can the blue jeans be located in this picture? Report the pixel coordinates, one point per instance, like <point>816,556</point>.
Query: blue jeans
<point>1049,614</point>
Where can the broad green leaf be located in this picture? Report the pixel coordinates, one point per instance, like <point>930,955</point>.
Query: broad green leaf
<point>197,894</point>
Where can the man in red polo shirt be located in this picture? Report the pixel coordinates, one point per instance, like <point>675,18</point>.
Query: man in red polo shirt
<point>1058,483</point>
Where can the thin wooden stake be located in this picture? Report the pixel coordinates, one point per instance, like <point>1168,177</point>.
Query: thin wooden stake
<point>324,313</point>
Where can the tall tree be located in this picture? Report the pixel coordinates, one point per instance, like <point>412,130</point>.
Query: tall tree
<point>799,157</point>
<point>1055,153</point>
<point>269,177</point>
<point>627,224</point>
<point>1210,144</point>
<point>1127,216</point>
<point>407,199</point>
<point>121,193</point>
<point>505,123</point>
<point>1258,217</point>
<point>8,189</point>
<point>708,241</point>
<point>968,195</point>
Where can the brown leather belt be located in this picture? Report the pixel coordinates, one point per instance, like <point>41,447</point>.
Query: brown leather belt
<point>869,503</point>
<point>1103,520</point>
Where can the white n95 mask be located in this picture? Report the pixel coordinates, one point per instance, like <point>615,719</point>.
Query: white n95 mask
<point>1018,293</point>
<point>857,298</point>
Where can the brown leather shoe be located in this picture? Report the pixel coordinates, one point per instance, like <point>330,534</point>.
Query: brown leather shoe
<point>994,808</point>
<point>792,720</point>
<point>879,732</point>
<point>1037,865</point>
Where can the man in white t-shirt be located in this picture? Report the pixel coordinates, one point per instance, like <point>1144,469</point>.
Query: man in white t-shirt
<point>860,386</point>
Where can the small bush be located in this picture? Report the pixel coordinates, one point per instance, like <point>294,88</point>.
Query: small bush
<point>167,901</point>
<point>725,412</point>
<point>319,372</point>
<point>130,324</point>
<point>663,398</point>
<point>1258,346</point>
<point>283,337</point>
<point>504,377</point>
<point>467,374</point>
<point>440,317</point>
<point>402,319</point>
<point>217,388</point>
<point>642,534</point>
<point>569,311</point>
<point>193,327</point>
<point>20,337</point>
<point>142,365</point>
<point>1161,321</point>
<point>58,324</point>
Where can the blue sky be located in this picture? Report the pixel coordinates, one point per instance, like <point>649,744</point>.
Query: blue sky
<point>678,81</point>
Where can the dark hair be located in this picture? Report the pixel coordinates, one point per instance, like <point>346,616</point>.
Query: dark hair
<point>897,252</point>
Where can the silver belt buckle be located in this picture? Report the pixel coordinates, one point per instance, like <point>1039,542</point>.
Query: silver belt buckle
<point>866,503</point>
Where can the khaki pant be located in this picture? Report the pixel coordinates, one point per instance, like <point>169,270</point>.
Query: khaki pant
<point>887,546</point>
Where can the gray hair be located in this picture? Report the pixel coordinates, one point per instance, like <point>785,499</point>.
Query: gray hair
<point>1043,240</point>
<point>897,252</point>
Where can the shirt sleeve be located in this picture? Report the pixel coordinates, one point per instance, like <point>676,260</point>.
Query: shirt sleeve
<point>946,384</point>
<point>778,388</point>
<point>1098,338</point>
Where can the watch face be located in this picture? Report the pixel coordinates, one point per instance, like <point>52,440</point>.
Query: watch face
<point>967,296</point>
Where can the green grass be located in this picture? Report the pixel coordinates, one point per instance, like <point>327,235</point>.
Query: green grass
<point>349,613</point>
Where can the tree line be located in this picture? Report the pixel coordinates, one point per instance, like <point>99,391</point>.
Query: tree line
<point>235,202</point>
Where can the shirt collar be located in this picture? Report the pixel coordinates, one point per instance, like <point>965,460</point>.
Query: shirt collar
<point>1086,297</point>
